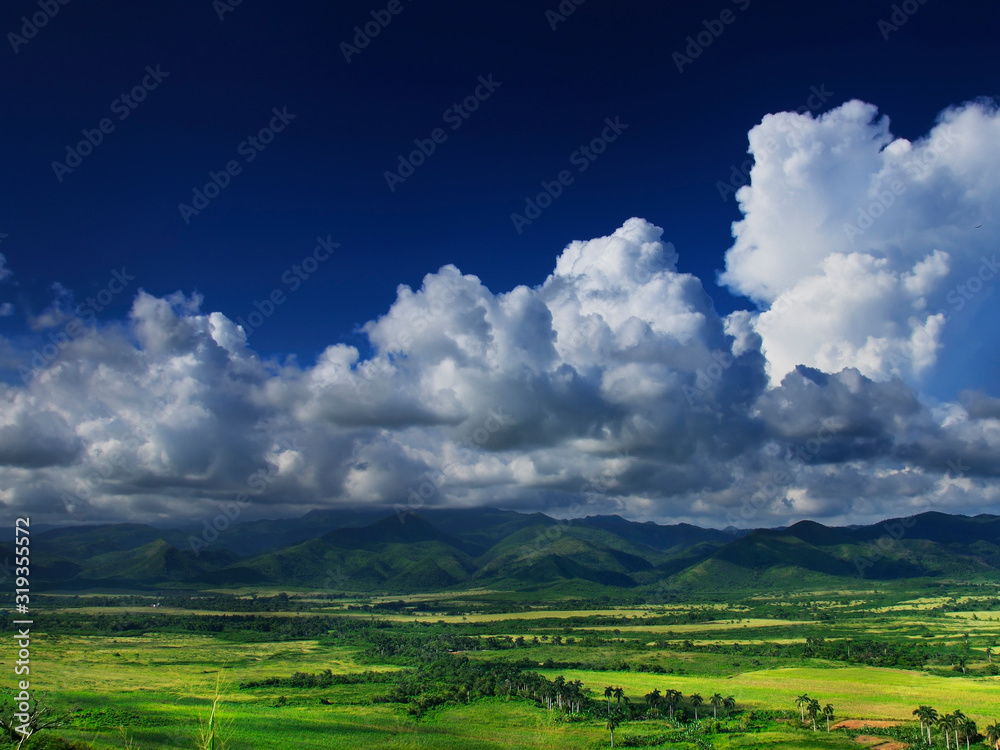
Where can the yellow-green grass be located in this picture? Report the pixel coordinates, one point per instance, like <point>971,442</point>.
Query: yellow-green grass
<point>704,626</point>
<point>185,665</point>
<point>539,614</point>
<point>862,692</point>
<point>123,611</point>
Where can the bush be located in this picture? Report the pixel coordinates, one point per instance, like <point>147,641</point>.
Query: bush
<point>45,741</point>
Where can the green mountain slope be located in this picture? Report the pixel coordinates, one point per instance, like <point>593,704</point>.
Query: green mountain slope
<point>506,550</point>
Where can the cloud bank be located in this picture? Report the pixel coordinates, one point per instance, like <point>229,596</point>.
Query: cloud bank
<point>612,387</point>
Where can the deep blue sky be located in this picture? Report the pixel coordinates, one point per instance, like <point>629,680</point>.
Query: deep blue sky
<point>324,174</point>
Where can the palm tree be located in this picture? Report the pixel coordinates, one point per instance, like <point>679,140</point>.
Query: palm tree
<point>619,693</point>
<point>813,711</point>
<point>673,697</point>
<point>946,723</point>
<point>716,701</point>
<point>802,701</point>
<point>931,717</point>
<point>959,720</point>
<point>828,713</point>
<point>654,698</point>
<point>695,700</point>
<point>611,726</point>
<point>558,684</point>
<point>989,654</point>
<point>921,713</point>
<point>729,703</point>
<point>608,692</point>
<point>993,734</point>
<point>969,729</point>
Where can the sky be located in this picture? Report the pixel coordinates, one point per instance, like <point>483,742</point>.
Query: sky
<point>728,263</point>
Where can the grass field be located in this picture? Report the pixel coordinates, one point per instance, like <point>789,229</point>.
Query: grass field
<point>151,674</point>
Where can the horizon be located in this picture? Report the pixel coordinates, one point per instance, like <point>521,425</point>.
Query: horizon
<point>397,513</point>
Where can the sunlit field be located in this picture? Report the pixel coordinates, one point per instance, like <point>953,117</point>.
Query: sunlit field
<point>116,680</point>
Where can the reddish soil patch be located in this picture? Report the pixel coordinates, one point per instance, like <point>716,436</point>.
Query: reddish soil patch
<point>880,743</point>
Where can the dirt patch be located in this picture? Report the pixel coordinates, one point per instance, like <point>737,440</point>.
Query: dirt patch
<point>862,723</point>
<point>880,743</point>
<point>869,740</point>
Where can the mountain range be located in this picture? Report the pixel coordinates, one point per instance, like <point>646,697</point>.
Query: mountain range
<point>439,550</point>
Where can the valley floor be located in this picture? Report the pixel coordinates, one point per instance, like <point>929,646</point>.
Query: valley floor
<point>122,676</point>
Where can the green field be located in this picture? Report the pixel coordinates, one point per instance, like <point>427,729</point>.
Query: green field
<point>145,676</point>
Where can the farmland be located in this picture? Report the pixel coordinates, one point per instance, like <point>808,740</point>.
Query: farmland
<point>419,672</point>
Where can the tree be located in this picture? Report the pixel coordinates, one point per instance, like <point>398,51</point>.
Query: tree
<point>716,701</point>
<point>802,701</point>
<point>619,693</point>
<point>958,723</point>
<point>993,734</point>
<point>813,709</point>
<point>654,699</point>
<point>989,654</point>
<point>969,729</point>
<point>946,723</point>
<point>695,700</point>
<point>828,713</point>
<point>921,712</point>
<point>611,726</point>
<point>932,719</point>
<point>40,717</point>
<point>558,684</point>
<point>729,703</point>
<point>673,697</point>
<point>608,692</point>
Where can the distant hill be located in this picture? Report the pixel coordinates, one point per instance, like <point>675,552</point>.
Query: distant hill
<point>373,550</point>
